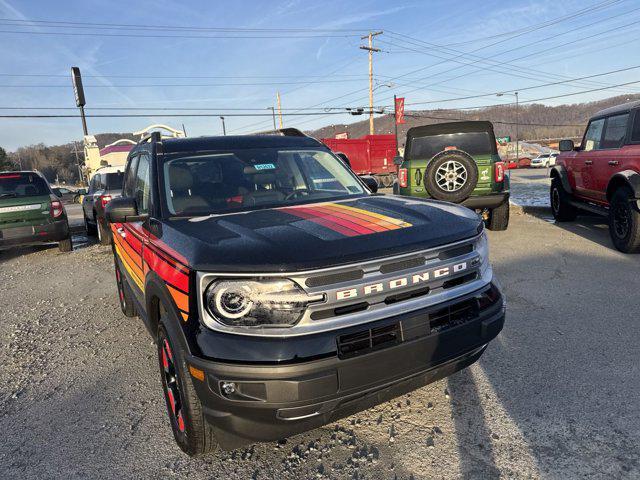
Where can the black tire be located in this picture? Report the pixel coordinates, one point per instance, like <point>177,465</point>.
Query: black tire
<point>499,218</point>
<point>562,210</point>
<point>433,175</point>
<point>193,434</point>
<point>66,245</point>
<point>125,295</point>
<point>104,233</point>
<point>624,221</point>
<point>89,227</point>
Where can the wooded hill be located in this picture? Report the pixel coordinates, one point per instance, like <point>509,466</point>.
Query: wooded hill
<point>536,121</point>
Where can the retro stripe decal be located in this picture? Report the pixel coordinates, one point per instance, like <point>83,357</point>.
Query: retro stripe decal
<point>138,261</point>
<point>349,221</point>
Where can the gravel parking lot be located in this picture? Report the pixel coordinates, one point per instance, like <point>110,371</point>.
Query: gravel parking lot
<point>557,395</point>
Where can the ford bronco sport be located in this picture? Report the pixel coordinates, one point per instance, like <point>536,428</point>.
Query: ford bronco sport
<point>457,162</point>
<point>602,176</point>
<point>282,293</point>
<point>30,213</point>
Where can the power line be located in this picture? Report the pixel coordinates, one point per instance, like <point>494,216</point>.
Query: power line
<point>183,27</point>
<point>183,115</point>
<point>224,84</point>
<point>136,35</point>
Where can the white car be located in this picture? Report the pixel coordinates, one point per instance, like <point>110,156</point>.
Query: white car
<point>544,160</point>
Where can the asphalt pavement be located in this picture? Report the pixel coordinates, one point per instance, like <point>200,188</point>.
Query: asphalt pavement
<point>556,395</point>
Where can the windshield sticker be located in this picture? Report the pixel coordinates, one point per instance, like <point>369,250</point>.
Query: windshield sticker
<point>265,166</point>
<point>349,221</point>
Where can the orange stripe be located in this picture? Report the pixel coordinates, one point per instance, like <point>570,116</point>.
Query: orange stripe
<point>182,300</point>
<point>353,218</point>
<point>135,258</point>
<point>365,216</point>
<point>185,316</point>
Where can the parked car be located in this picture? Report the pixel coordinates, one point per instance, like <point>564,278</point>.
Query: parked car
<point>542,161</point>
<point>30,213</point>
<point>602,176</point>
<point>457,162</point>
<point>245,256</point>
<point>64,194</point>
<point>105,185</point>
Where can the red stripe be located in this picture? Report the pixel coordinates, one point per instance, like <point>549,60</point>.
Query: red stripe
<point>166,271</point>
<point>325,223</point>
<point>167,258</point>
<point>345,223</point>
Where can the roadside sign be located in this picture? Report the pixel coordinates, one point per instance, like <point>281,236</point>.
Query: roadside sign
<point>399,110</point>
<point>77,86</point>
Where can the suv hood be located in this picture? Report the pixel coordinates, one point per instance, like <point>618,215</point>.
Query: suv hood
<point>318,235</point>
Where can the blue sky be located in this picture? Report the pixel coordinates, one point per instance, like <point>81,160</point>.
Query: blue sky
<point>432,50</point>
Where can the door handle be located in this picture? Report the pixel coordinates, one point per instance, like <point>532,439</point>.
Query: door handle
<point>613,163</point>
<point>121,232</point>
<point>588,162</point>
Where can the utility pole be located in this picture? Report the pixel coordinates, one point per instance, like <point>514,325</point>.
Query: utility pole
<point>279,110</point>
<point>517,131</point>
<point>370,49</point>
<point>224,129</point>
<point>273,113</point>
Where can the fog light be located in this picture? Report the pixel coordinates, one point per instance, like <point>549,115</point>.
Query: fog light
<point>229,388</point>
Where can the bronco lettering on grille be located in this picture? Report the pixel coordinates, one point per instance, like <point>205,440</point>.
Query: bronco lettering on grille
<point>415,279</point>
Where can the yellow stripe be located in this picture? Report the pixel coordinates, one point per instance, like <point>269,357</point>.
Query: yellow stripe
<point>385,218</point>
<point>364,216</point>
<point>128,268</point>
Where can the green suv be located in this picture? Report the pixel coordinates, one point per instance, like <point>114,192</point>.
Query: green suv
<point>30,213</point>
<point>457,162</point>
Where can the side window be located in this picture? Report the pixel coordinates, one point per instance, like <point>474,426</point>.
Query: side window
<point>142,192</point>
<point>635,131</point>
<point>615,131</point>
<point>593,136</point>
<point>130,176</point>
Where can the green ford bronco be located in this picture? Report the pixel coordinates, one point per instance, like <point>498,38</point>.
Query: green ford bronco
<point>457,162</point>
<point>30,213</point>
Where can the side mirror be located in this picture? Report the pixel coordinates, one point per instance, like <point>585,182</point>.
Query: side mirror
<point>370,182</point>
<point>397,160</point>
<point>123,210</point>
<point>344,158</point>
<point>566,146</point>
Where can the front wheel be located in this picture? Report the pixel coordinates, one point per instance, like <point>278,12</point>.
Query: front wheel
<point>499,218</point>
<point>562,210</point>
<point>193,434</point>
<point>624,221</point>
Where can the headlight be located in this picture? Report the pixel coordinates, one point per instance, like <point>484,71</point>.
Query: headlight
<point>250,303</point>
<point>482,247</point>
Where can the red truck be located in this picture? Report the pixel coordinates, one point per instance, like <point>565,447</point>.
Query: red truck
<point>368,155</point>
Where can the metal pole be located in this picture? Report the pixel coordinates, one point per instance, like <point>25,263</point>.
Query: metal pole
<point>395,122</point>
<point>273,113</point>
<point>84,121</point>
<point>279,110</point>
<point>371,129</point>
<point>224,129</point>
<point>517,131</point>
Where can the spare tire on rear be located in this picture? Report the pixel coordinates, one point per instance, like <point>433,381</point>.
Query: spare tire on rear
<point>451,176</point>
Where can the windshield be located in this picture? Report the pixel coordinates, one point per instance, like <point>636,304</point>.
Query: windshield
<point>473,143</point>
<point>253,178</point>
<point>14,185</point>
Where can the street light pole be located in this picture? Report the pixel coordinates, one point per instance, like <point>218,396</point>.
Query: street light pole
<point>224,130</point>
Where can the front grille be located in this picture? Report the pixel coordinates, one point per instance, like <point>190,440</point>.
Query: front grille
<point>333,278</point>
<point>370,340</point>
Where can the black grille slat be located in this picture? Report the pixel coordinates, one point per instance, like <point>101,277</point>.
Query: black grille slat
<point>402,265</point>
<point>453,315</point>
<point>333,278</point>
<point>369,340</point>
<point>455,252</point>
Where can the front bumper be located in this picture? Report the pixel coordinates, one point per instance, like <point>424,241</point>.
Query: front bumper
<point>34,234</point>
<point>275,401</point>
